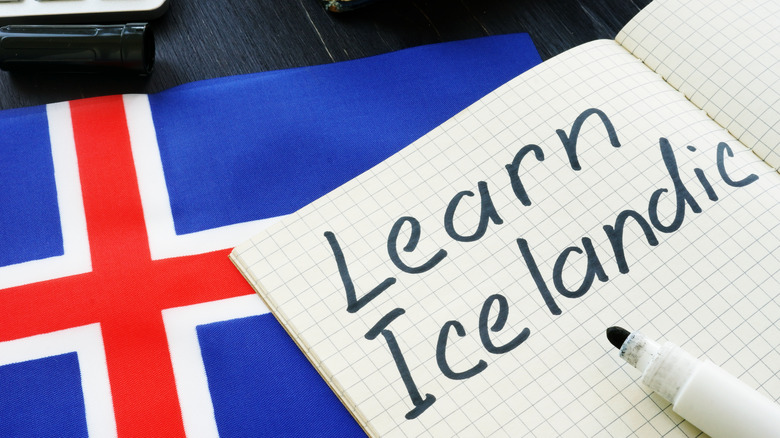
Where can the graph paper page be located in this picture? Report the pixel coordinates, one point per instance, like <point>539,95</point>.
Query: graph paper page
<point>488,313</point>
<point>724,56</point>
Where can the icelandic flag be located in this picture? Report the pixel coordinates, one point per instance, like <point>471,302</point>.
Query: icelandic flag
<point>121,313</point>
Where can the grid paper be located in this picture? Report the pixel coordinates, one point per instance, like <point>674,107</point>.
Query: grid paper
<point>711,286</point>
<point>724,56</point>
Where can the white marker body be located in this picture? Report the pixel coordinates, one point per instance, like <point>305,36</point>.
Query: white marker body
<point>708,397</point>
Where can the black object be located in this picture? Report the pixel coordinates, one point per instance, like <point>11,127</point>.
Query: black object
<point>199,40</point>
<point>345,5</point>
<point>83,48</point>
<point>617,336</point>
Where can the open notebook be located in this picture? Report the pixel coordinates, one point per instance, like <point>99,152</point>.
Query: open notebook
<point>463,286</point>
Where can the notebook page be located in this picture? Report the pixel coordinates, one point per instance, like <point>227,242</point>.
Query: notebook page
<point>724,56</point>
<point>707,284</point>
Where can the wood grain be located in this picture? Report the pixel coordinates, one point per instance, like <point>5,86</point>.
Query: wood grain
<point>202,40</point>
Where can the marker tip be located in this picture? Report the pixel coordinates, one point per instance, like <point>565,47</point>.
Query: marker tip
<point>617,336</point>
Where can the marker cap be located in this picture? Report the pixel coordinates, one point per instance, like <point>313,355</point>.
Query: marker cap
<point>119,47</point>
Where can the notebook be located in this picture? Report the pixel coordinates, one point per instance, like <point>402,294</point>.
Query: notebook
<point>462,287</point>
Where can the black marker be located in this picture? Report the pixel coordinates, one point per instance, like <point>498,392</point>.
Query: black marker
<point>118,47</point>
<point>705,395</point>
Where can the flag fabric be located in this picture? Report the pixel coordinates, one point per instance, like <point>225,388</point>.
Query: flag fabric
<point>121,314</point>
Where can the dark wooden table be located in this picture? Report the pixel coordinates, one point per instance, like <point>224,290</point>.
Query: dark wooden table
<point>208,39</point>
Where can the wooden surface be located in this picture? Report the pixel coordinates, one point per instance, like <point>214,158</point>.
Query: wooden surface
<point>207,39</point>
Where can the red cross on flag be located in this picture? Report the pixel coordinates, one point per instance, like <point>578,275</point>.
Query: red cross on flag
<point>121,313</point>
